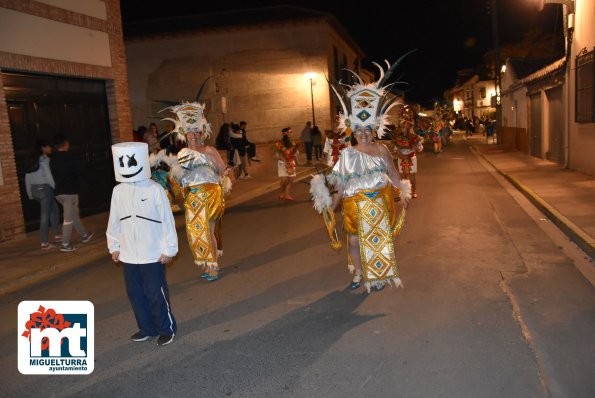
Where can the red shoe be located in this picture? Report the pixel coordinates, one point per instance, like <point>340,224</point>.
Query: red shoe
<point>288,197</point>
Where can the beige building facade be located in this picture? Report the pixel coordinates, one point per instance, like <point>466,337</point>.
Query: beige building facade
<point>258,71</point>
<point>62,71</point>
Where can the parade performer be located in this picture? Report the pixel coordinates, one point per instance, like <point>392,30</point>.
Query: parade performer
<point>333,145</point>
<point>407,144</point>
<point>202,175</point>
<point>286,151</point>
<point>141,233</point>
<point>363,179</point>
<point>161,163</point>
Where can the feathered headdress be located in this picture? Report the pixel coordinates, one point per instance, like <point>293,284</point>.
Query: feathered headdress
<point>190,117</point>
<point>366,105</point>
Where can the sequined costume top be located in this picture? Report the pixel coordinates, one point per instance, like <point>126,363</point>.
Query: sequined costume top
<point>198,168</point>
<point>356,170</point>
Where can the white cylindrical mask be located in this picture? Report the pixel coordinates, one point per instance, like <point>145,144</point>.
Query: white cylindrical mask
<point>131,161</point>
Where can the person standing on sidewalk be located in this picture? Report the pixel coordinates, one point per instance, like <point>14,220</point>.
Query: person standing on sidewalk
<point>307,140</point>
<point>39,185</point>
<point>237,142</point>
<point>141,233</point>
<point>250,146</point>
<point>66,172</point>
<point>317,143</point>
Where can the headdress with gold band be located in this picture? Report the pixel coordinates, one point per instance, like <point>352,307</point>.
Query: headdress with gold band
<point>366,105</point>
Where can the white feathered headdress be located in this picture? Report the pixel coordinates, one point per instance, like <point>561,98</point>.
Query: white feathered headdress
<point>366,105</point>
<point>190,117</point>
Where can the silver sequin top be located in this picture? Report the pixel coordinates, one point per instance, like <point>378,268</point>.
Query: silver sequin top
<point>356,170</point>
<point>198,168</point>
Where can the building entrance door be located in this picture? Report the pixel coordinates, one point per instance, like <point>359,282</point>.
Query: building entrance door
<point>535,127</point>
<point>42,106</point>
<point>555,151</point>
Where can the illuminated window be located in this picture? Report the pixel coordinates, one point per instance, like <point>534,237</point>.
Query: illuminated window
<point>585,94</point>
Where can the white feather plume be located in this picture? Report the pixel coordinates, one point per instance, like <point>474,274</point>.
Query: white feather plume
<point>226,184</point>
<point>320,193</point>
<point>176,171</point>
<point>404,187</point>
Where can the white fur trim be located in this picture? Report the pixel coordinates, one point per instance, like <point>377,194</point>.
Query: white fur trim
<point>405,187</point>
<point>226,184</point>
<point>320,193</point>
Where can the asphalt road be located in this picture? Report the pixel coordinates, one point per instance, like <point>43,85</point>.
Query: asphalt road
<point>491,308</point>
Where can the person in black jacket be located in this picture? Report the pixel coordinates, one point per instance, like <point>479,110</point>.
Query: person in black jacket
<point>66,173</point>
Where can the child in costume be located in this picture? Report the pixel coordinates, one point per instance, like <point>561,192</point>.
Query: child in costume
<point>407,144</point>
<point>202,175</point>
<point>141,233</point>
<point>363,179</point>
<point>286,151</point>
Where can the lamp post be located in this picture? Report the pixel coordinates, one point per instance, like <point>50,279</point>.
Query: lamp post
<point>497,68</point>
<point>311,76</point>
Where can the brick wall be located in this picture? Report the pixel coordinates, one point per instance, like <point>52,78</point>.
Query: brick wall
<point>116,78</point>
<point>12,224</point>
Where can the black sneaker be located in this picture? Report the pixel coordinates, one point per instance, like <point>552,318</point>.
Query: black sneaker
<point>165,339</point>
<point>69,248</point>
<point>87,237</point>
<point>138,336</point>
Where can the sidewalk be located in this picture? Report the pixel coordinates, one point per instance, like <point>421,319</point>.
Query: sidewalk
<point>566,197</point>
<point>23,263</point>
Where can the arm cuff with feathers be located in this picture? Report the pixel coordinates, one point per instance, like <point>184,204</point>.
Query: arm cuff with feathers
<point>404,187</point>
<point>320,193</point>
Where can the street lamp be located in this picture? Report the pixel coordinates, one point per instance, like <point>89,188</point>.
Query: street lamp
<point>311,76</point>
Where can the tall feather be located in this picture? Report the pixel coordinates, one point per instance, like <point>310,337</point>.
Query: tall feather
<point>359,79</point>
<point>340,100</point>
<point>380,69</point>
<point>202,88</point>
<point>390,71</point>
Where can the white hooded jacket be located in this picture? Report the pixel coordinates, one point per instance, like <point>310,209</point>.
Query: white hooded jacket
<point>141,225</point>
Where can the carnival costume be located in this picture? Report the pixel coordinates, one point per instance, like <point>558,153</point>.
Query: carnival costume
<point>161,163</point>
<point>369,211</point>
<point>407,142</point>
<point>202,187</point>
<point>287,154</point>
<point>333,146</point>
<point>141,233</point>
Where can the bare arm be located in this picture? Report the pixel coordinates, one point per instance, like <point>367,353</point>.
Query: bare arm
<point>337,196</point>
<point>216,157</point>
<point>393,173</point>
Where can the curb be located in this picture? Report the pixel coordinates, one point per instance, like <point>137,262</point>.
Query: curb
<point>570,229</point>
<point>96,253</point>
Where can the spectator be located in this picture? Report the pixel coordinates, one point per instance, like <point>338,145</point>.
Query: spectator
<point>66,174</point>
<point>237,142</point>
<point>40,185</point>
<point>250,147</point>
<point>307,140</point>
<point>317,142</point>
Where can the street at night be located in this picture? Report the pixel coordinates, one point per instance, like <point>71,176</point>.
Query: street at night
<point>493,306</point>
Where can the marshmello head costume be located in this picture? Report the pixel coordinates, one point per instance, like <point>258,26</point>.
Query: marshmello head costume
<point>131,161</point>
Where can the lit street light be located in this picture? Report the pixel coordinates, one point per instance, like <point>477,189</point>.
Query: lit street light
<point>311,76</point>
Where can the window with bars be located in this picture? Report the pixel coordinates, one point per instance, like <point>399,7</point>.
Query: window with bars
<point>585,94</point>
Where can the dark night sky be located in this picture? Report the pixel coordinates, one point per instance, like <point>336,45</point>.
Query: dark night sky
<point>449,34</point>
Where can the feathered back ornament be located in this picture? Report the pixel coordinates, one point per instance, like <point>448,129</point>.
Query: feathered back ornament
<point>366,105</point>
